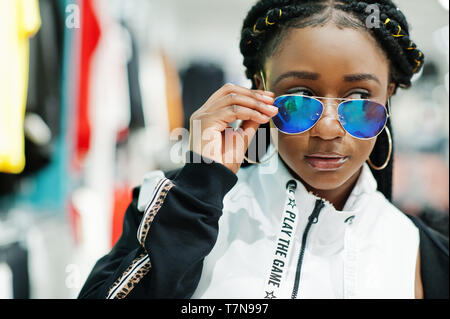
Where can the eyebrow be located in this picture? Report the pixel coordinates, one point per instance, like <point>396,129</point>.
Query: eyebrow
<point>361,77</point>
<point>304,75</point>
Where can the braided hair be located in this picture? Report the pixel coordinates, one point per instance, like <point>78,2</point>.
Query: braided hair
<point>268,20</point>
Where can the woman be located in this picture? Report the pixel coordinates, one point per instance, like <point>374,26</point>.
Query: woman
<point>319,223</point>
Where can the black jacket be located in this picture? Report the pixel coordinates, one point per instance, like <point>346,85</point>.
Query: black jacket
<point>166,259</point>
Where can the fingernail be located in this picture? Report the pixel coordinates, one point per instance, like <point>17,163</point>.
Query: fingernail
<point>271,107</point>
<point>268,98</point>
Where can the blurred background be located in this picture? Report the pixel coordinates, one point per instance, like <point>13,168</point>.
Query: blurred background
<point>105,84</point>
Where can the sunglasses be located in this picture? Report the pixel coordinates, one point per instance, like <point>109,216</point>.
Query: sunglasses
<point>362,119</point>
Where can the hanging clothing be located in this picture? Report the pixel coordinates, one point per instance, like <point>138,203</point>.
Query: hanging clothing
<point>122,198</point>
<point>47,189</point>
<point>15,256</point>
<point>109,114</point>
<point>200,81</point>
<point>136,107</point>
<point>204,232</point>
<point>173,94</point>
<point>90,36</point>
<point>46,51</point>
<point>153,78</point>
<point>43,104</point>
<point>6,285</point>
<point>19,20</point>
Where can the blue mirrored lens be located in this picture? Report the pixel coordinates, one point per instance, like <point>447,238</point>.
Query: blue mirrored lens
<point>296,113</point>
<point>362,119</point>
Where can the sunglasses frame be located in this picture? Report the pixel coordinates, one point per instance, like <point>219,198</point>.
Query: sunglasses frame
<point>319,98</point>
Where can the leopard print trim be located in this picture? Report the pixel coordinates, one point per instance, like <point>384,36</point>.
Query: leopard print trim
<point>141,265</point>
<point>130,277</point>
<point>125,290</point>
<point>155,193</point>
<point>152,210</point>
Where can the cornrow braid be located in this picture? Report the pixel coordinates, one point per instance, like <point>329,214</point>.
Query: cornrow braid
<point>259,23</point>
<point>268,18</point>
<point>263,30</point>
<point>393,36</point>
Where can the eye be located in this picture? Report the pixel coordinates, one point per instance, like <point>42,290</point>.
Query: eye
<point>358,95</point>
<point>301,91</point>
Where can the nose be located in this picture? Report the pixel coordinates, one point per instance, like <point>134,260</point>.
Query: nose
<point>328,127</point>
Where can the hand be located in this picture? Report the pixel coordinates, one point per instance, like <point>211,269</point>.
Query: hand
<point>210,133</point>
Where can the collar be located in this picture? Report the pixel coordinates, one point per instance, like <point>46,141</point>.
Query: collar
<point>270,188</point>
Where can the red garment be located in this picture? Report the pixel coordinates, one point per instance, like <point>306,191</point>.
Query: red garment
<point>74,218</point>
<point>90,35</point>
<point>122,198</point>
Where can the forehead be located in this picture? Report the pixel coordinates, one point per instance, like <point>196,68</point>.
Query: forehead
<point>328,50</point>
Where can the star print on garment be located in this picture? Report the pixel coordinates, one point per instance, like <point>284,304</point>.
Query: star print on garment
<point>269,295</point>
<point>282,249</point>
<point>292,203</point>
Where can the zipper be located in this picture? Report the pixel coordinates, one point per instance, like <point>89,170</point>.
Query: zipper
<point>312,219</point>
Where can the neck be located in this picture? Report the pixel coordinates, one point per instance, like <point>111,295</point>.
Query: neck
<point>338,197</point>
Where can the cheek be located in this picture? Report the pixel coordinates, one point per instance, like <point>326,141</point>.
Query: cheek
<point>364,148</point>
<point>290,147</point>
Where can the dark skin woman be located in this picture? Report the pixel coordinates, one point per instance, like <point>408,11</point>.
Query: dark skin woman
<point>326,60</point>
<point>322,74</point>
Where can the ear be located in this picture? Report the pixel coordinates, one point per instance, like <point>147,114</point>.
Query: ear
<point>391,90</point>
<point>257,80</point>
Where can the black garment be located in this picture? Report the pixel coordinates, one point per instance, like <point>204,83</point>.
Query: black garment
<point>45,67</point>
<point>434,261</point>
<point>435,219</point>
<point>200,81</point>
<point>16,257</point>
<point>36,156</point>
<point>181,235</point>
<point>136,106</point>
<point>185,230</point>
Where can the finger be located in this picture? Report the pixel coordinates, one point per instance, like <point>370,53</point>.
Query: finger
<point>249,129</point>
<point>269,93</point>
<point>264,96</point>
<point>239,112</point>
<point>244,100</point>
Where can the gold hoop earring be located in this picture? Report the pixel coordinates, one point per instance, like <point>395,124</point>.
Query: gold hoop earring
<point>265,161</point>
<point>379,168</point>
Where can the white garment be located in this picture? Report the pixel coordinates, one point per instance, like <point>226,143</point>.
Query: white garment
<point>368,250</point>
<point>372,255</point>
<point>6,282</point>
<point>110,114</point>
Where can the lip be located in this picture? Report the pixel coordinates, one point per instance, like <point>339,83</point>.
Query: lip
<point>326,161</point>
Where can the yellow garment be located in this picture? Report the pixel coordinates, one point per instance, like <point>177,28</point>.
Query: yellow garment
<point>19,20</point>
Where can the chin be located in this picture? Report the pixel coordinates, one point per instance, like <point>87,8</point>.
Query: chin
<point>327,180</point>
<point>322,184</point>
